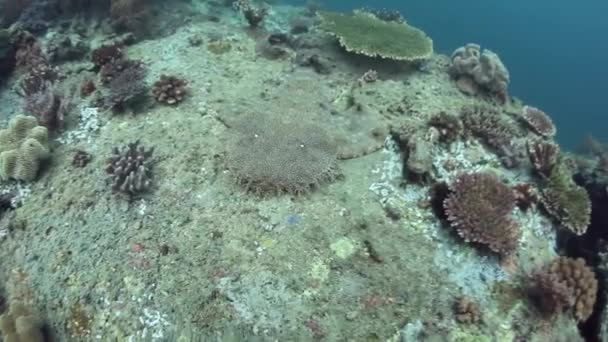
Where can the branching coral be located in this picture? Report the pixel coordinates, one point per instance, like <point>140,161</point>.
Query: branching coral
<point>566,284</point>
<point>169,89</point>
<point>479,207</point>
<point>253,15</point>
<point>130,169</point>
<point>543,156</point>
<point>365,34</point>
<point>273,157</point>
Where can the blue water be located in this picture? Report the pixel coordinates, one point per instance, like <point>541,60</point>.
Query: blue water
<point>556,51</point>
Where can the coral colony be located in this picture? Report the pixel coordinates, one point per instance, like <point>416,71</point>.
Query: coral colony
<point>316,175</point>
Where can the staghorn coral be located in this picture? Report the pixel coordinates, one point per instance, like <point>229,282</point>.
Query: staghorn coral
<point>365,34</point>
<point>539,121</point>
<point>272,157</point>
<point>472,68</point>
<point>23,146</point>
<point>567,283</point>
<point>478,208</point>
<point>169,89</point>
<point>130,169</point>
<point>495,129</point>
<point>565,201</point>
<point>449,126</point>
<point>20,324</point>
<point>543,156</point>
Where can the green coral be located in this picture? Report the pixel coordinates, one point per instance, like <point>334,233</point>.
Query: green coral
<point>365,34</point>
<point>23,145</point>
<point>567,202</point>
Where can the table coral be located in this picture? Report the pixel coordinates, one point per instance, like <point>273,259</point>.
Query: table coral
<point>23,145</point>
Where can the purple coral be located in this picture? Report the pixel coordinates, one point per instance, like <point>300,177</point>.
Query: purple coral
<point>478,208</point>
<point>539,121</point>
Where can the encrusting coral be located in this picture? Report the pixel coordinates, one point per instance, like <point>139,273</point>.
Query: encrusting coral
<point>365,34</point>
<point>130,169</point>
<point>20,324</point>
<point>567,283</point>
<point>478,207</point>
<point>273,157</point>
<point>23,146</point>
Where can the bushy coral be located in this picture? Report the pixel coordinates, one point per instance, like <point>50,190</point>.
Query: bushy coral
<point>490,125</point>
<point>130,169</point>
<point>20,324</point>
<point>539,121</point>
<point>449,126</point>
<point>48,107</point>
<point>479,208</point>
<point>23,146</point>
<point>106,54</point>
<point>565,201</point>
<point>567,283</point>
<point>485,69</point>
<point>365,34</point>
<point>272,157</point>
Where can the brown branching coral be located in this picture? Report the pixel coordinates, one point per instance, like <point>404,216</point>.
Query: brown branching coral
<point>489,125</point>
<point>169,89</point>
<point>48,107</point>
<point>273,157</point>
<point>566,284</point>
<point>539,121</point>
<point>130,169</point>
<point>449,126</point>
<point>479,207</point>
<point>543,156</point>
<point>130,15</point>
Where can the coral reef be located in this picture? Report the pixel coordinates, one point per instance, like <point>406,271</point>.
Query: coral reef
<point>449,126</point>
<point>169,89</point>
<point>106,54</point>
<point>20,324</point>
<point>539,121</point>
<point>567,283</point>
<point>23,146</point>
<point>472,68</point>
<point>365,34</point>
<point>479,207</point>
<point>565,201</point>
<point>273,157</point>
<point>130,169</point>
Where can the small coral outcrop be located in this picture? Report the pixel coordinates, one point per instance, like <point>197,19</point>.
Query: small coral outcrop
<point>475,70</point>
<point>23,146</point>
<point>364,33</point>
<point>272,157</point>
<point>479,208</point>
<point>170,90</point>
<point>130,169</point>
<point>20,324</point>
<point>466,311</point>
<point>567,283</point>
<point>543,156</point>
